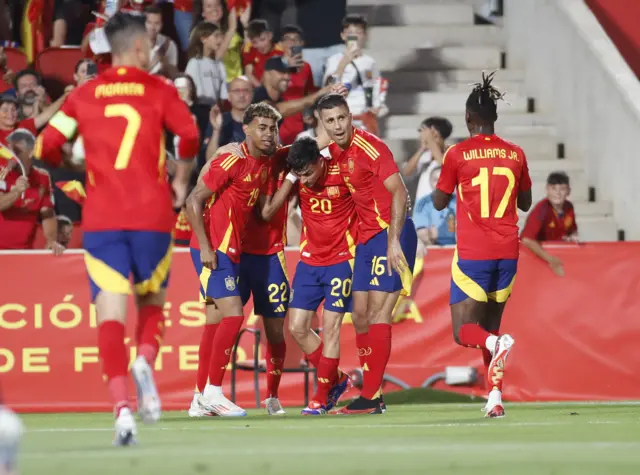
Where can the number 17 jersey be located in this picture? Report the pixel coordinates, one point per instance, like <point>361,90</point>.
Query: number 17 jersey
<point>487,173</point>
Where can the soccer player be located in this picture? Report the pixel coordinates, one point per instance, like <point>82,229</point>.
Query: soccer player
<point>325,270</point>
<point>492,180</point>
<point>387,242</point>
<point>237,183</point>
<point>128,213</point>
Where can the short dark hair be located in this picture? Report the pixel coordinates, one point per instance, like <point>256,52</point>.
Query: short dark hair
<point>8,99</point>
<point>287,29</point>
<point>331,101</point>
<point>558,178</point>
<point>81,62</point>
<point>153,10</point>
<point>256,27</point>
<point>122,28</point>
<point>482,103</point>
<point>27,72</point>
<point>204,29</point>
<point>261,109</point>
<point>442,125</point>
<point>303,152</point>
<point>355,20</point>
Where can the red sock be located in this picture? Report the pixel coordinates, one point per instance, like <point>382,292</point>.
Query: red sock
<point>113,354</point>
<point>380,343</point>
<point>486,358</point>
<point>223,342</point>
<point>314,358</point>
<point>275,364</point>
<point>362,343</point>
<point>472,335</point>
<point>150,332</point>
<point>204,355</point>
<point>327,377</point>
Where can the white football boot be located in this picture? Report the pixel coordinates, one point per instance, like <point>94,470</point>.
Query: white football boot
<point>125,429</point>
<point>274,408</point>
<point>213,400</point>
<point>195,410</point>
<point>149,407</point>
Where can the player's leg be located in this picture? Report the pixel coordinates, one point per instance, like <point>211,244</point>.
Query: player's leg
<point>360,289</point>
<point>108,263</point>
<point>151,252</point>
<point>306,295</point>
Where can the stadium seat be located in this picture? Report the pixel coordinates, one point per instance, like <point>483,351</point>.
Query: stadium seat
<point>57,66</point>
<point>258,368</point>
<point>16,59</point>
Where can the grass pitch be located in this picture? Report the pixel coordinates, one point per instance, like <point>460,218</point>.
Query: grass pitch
<point>409,439</point>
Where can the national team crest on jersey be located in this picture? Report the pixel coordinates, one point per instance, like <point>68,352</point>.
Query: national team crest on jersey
<point>230,283</point>
<point>333,191</point>
<point>351,165</point>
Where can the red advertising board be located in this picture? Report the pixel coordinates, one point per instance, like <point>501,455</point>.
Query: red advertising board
<point>576,337</point>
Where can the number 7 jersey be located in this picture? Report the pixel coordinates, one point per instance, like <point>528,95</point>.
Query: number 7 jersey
<point>487,173</point>
<point>122,116</point>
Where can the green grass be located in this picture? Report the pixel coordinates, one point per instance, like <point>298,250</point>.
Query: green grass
<point>409,439</point>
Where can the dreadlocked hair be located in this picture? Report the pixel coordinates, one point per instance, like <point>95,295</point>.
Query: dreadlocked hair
<point>484,98</point>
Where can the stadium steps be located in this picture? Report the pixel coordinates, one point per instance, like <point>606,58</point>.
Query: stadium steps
<point>431,51</point>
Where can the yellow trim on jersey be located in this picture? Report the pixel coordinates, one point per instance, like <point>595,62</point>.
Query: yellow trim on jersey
<point>64,124</point>
<point>205,273</point>
<point>229,161</point>
<point>224,245</point>
<point>352,263</point>
<point>502,295</point>
<point>366,147</point>
<point>154,283</point>
<point>446,152</point>
<point>105,277</point>
<point>283,263</point>
<point>37,151</point>
<point>419,265</point>
<point>162,159</point>
<point>303,244</point>
<point>406,277</point>
<point>351,243</point>
<point>383,224</point>
<point>466,284</point>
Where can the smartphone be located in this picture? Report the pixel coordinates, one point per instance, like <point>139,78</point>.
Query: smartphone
<point>92,69</point>
<point>352,42</point>
<point>296,50</point>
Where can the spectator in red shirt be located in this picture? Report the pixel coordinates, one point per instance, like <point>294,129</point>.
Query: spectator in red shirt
<point>6,75</point>
<point>25,200</point>
<point>300,84</point>
<point>261,48</point>
<point>552,219</point>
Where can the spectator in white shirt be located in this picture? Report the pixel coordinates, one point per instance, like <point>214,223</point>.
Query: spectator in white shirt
<point>358,72</point>
<point>207,72</point>
<point>432,134</point>
<point>164,52</point>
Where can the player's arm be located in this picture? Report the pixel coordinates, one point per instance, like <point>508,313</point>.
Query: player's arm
<point>287,108</point>
<point>270,203</point>
<point>46,115</point>
<point>529,238</point>
<point>524,187</point>
<point>447,182</point>
<point>62,128</point>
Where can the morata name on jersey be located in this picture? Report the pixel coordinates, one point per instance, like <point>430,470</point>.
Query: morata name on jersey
<point>119,89</point>
<point>484,153</point>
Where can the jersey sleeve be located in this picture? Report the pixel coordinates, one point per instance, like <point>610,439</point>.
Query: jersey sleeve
<point>29,124</point>
<point>449,172</point>
<point>179,121</point>
<point>222,170</point>
<point>61,128</point>
<point>525,178</point>
<point>48,200</point>
<point>534,223</point>
<point>384,166</point>
<point>277,167</point>
<point>573,229</point>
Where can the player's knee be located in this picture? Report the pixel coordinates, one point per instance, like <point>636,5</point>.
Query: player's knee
<point>360,323</point>
<point>298,329</point>
<point>456,334</point>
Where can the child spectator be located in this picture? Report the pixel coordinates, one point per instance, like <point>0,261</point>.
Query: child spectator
<point>433,226</point>
<point>259,49</point>
<point>552,219</point>
<point>207,72</point>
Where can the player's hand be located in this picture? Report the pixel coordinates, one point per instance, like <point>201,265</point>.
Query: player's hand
<point>21,185</point>
<point>556,266</point>
<point>339,88</point>
<point>208,258</point>
<point>179,193</point>
<point>68,89</point>
<point>395,257</point>
<point>215,117</point>
<point>233,148</point>
<point>56,247</point>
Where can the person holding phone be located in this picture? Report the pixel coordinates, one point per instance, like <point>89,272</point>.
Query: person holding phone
<point>357,71</point>
<point>300,84</point>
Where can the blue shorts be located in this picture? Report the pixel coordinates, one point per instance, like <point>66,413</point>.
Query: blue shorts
<point>482,280</point>
<point>313,284</point>
<point>265,277</point>
<point>370,272</point>
<point>112,256</point>
<point>218,283</point>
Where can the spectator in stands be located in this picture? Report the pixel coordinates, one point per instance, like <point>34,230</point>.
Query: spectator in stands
<point>432,134</point>
<point>187,90</point>
<point>70,18</point>
<point>164,52</point>
<point>435,227</point>
<point>300,84</point>
<point>358,71</point>
<point>86,69</point>
<point>183,20</point>
<point>225,128</point>
<point>230,50</point>
<point>65,230</point>
<point>261,48</point>
<point>207,72</point>
<point>25,200</point>
<point>552,219</point>
<point>33,100</point>
<point>6,75</point>
<point>322,38</point>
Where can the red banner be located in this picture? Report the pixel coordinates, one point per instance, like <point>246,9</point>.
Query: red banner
<point>577,336</point>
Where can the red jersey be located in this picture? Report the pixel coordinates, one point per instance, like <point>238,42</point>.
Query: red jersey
<point>183,5</point>
<point>240,5</point>
<point>18,224</point>
<point>29,124</point>
<point>301,85</point>
<point>250,55</point>
<point>488,173</point>
<point>206,218</point>
<point>121,116</point>
<point>182,230</point>
<point>329,220</point>
<point>237,183</point>
<point>544,223</point>
<point>269,237</point>
<point>365,164</point>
